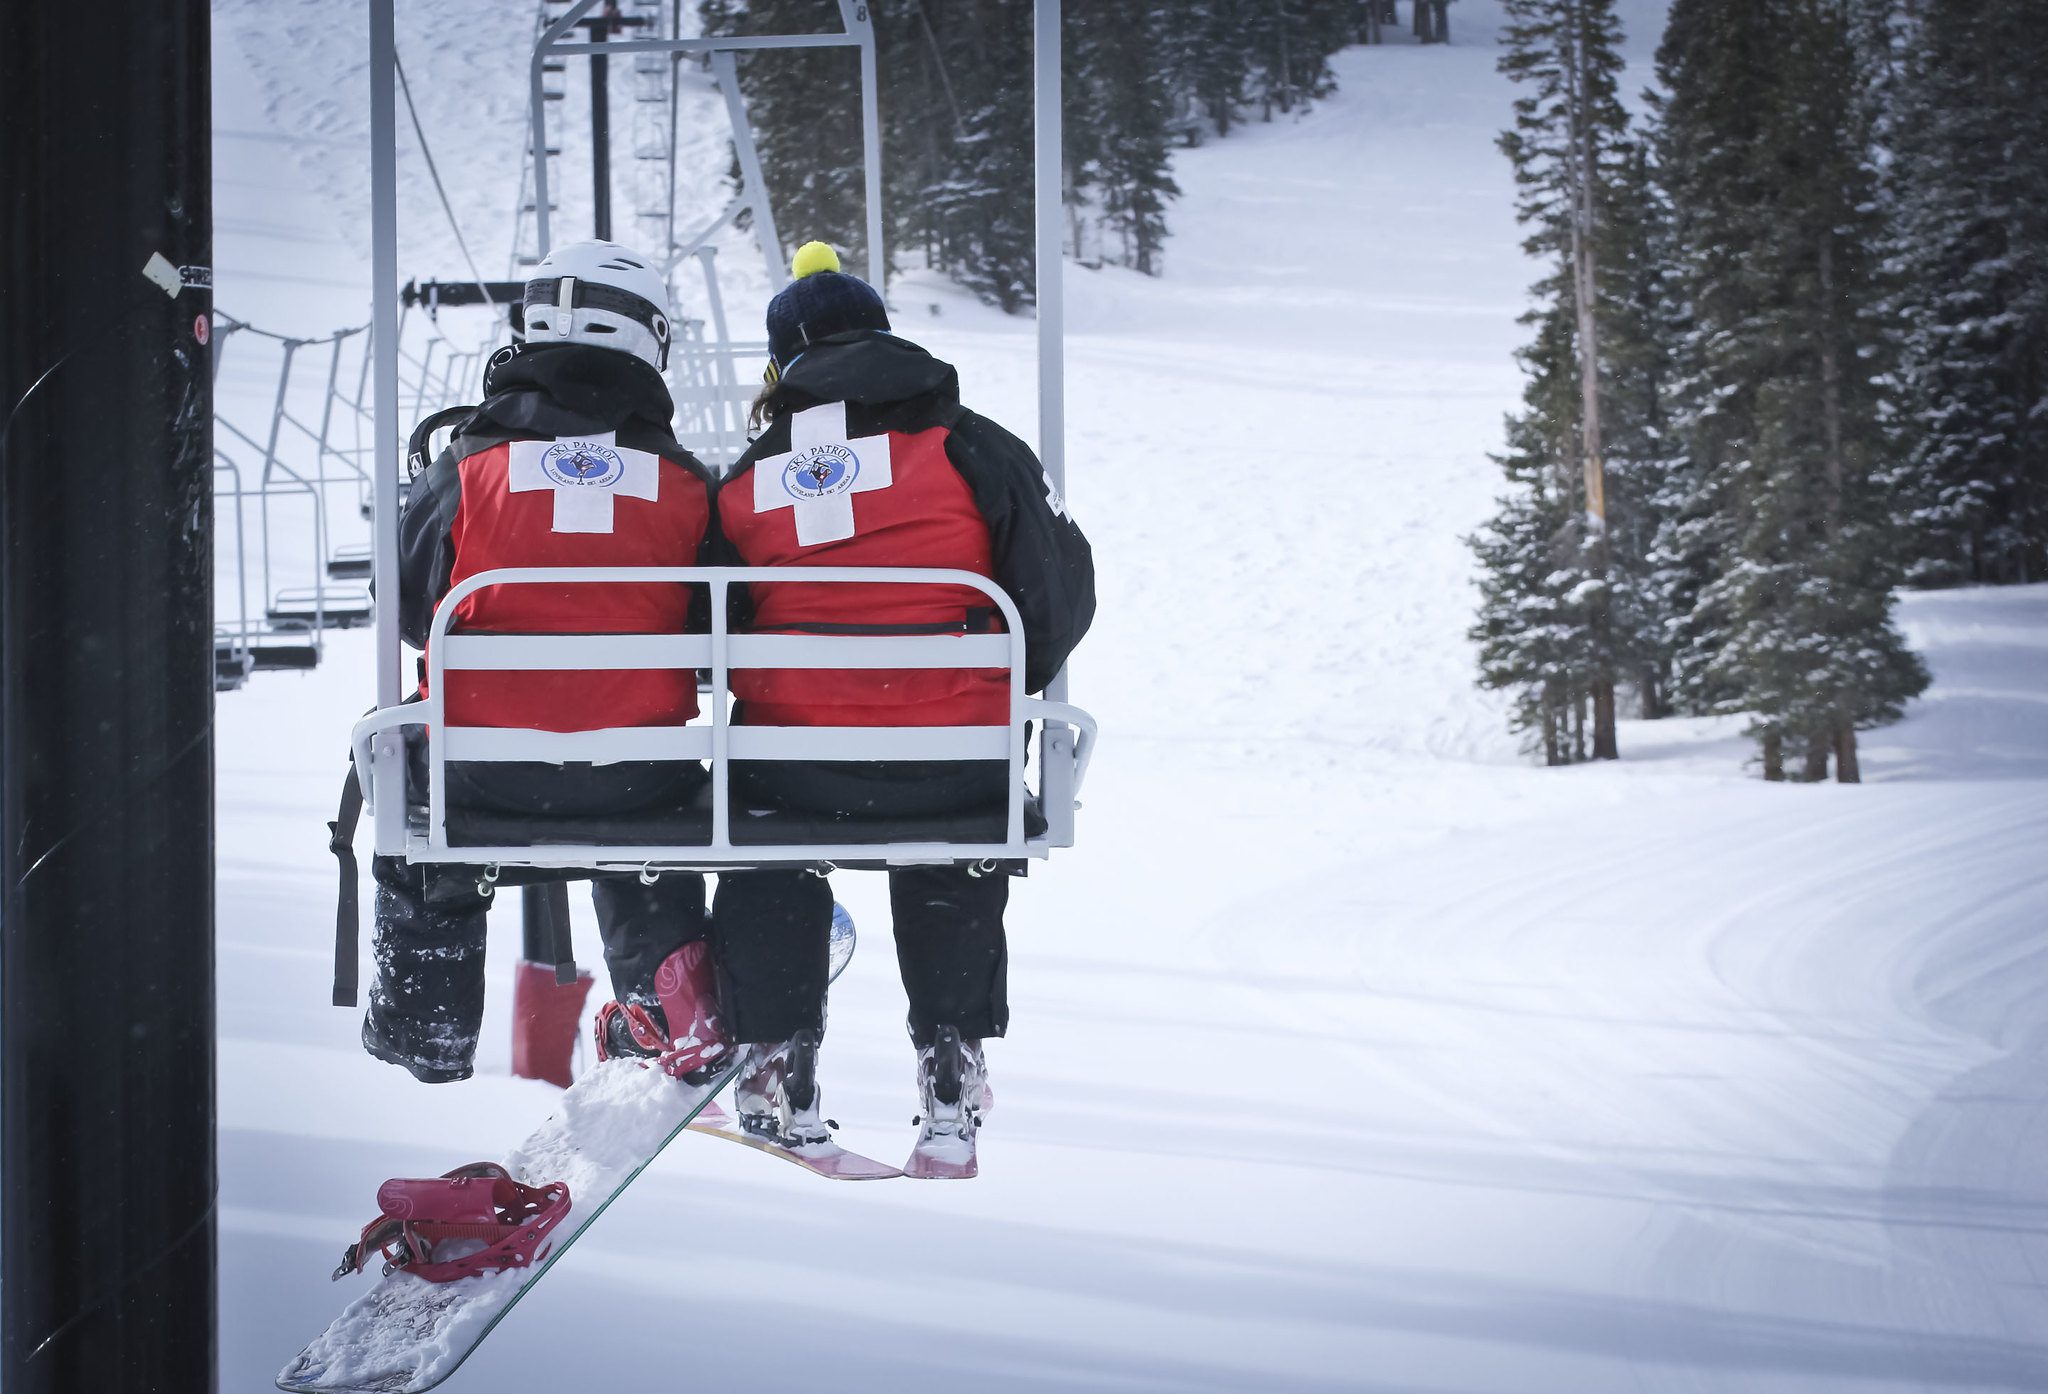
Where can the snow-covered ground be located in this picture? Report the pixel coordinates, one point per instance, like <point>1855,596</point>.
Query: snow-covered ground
<point>1350,1051</point>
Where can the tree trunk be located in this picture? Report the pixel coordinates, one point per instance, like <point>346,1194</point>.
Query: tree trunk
<point>1286,68</point>
<point>1551,754</point>
<point>1443,20</point>
<point>1774,756</point>
<point>1848,768</point>
<point>1818,747</point>
<point>1603,720</point>
<point>1585,292</point>
<point>1652,694</point>
<point>1831,499</point>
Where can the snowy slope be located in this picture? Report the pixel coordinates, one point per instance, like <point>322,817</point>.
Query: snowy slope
<point>1350,1052</point>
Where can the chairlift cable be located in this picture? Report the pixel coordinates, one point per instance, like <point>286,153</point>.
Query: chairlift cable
<point>439,189</point>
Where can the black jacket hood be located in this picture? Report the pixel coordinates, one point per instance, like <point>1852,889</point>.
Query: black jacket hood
<point>868,367</point>
<point>569,389</point>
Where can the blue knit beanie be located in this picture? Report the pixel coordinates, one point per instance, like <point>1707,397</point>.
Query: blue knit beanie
<point>821,300</point>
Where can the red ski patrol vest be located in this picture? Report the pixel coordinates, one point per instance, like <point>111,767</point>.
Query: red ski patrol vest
<point>580,502</point>
<point>888,499</point>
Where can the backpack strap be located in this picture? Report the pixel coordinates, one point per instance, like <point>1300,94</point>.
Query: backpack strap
<point>341,840</point>
<point>416,458</point>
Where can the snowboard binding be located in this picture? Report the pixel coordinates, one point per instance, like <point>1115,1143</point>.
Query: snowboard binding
<point>687,1039</point>
<point>473,1220</point>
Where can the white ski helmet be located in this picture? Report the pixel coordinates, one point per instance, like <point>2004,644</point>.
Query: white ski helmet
<point>599,293</point>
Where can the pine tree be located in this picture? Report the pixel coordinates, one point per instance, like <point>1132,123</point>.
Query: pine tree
<point>803,106</point>
<point>1637,363</point>
<point>1969,195</point>
<point>956,111</point>
<point>1117,125</point>
<point>1532,633</point>
<point>1777,547</point>
<point>1571,154</point>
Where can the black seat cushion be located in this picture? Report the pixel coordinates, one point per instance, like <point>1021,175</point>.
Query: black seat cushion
<point>866,806</point>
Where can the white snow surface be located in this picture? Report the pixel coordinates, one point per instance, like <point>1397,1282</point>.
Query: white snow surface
<point>1349,1050</point>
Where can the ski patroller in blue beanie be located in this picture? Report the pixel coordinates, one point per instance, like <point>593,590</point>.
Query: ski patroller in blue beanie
<point>821,300</point>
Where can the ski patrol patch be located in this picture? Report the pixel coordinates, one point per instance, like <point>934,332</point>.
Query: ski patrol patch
<point>822,472</point>
<point>586,473</point>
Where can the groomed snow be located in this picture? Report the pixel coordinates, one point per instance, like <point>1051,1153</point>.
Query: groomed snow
<point>1350,1051</point>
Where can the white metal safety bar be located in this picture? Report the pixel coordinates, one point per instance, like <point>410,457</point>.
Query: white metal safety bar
<point>720,742</point>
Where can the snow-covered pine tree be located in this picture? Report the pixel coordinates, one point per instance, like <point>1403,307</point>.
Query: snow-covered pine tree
<point>1286,45</point>
<point>1570,149</point>
<point>804,107</point>
<point>1706,118</point>
<point>956,104</point>
<point>1777,530</point>
<point>1638,332</point>
<point>1531,630</point>
<point>978,214</point>
<point>1968,189</point>
<point>1205,60</point>
<point>1117,128</point>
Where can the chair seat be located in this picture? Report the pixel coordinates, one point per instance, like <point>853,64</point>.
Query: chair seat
<point>691,827</point>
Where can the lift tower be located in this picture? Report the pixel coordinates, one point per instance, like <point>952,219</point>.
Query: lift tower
<point>106,702</point>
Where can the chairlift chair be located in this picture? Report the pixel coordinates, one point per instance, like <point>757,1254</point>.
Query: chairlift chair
<point>422,826</point>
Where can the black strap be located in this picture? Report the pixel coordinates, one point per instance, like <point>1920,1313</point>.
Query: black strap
<point>341,840</point>
<point>559,948</point>
<point>422,439</point>
<point>544,922</point>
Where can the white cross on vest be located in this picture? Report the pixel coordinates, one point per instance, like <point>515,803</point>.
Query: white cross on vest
<point>822,472</point>
<point>585,472</point>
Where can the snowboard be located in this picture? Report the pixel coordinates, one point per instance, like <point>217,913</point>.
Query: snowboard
<point>827,1159</point>
<point>406,1335</point>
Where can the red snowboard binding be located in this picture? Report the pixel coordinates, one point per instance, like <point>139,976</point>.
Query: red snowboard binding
<point>475,1219</point>
<point>695,1042</point>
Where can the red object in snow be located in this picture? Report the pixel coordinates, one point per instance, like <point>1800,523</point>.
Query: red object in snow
<point>474,1219</point>
<point>545,1015</point>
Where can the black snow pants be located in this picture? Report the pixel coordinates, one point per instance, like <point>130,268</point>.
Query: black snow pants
<point>426,1001</point>
<point>772,928</point>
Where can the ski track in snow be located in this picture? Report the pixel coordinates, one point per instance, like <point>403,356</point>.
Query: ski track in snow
<point>1350,1052</point>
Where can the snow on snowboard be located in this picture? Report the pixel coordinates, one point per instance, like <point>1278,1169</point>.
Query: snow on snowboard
<point>407,1334</point>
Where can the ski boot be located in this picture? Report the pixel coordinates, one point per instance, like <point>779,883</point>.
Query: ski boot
<point>952,1084</point>
<point>681,1030</point>
<point>777,1094</point>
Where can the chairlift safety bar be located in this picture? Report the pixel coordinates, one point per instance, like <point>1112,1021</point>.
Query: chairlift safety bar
<point>719,742</point>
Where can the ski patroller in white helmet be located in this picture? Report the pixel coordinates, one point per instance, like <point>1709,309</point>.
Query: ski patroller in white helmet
<point>599,293</point>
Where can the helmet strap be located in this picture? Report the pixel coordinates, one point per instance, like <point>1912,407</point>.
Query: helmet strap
<point>565,306</point>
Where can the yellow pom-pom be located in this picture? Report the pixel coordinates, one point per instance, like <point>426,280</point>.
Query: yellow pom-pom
<point>813,257</point>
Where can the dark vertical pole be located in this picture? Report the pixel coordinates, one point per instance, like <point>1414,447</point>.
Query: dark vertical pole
<point>106,703</point>
<point>544,928</point>
<point>601,137</point>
